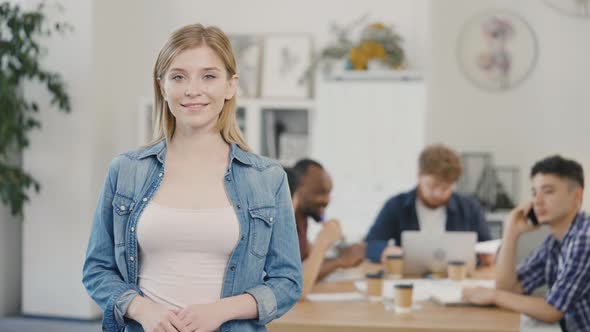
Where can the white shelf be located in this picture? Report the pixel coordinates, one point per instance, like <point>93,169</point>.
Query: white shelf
<point>276,103</point>
<point>260,135</point>
<point>375,75</point>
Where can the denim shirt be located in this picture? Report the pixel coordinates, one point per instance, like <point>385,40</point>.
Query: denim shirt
<point>265,262</point>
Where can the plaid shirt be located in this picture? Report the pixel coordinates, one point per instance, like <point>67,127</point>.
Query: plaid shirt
<point>565,268</point>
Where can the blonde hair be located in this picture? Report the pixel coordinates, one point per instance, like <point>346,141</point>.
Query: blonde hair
<point>189,37</point>
<point>440,161</point>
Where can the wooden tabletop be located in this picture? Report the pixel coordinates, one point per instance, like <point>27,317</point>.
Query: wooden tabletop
<point>373,316</point>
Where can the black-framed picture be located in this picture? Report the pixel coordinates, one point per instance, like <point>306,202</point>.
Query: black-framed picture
<point>497,50</point>
<point>286,63</point>
<point>248,51</point>
<point>577,8</point>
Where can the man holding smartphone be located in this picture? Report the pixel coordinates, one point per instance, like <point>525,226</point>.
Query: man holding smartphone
<point>562,261</point>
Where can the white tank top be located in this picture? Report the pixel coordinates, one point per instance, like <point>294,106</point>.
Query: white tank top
<point>183,253</point>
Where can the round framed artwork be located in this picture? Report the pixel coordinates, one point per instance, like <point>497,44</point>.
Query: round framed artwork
<point>578,8</point>
<point>497,50</point>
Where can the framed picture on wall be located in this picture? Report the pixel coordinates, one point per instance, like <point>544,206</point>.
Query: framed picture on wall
<point>286,63</point>
<point>247,49</point>
<point>577,8</point>
<point>497,50</point>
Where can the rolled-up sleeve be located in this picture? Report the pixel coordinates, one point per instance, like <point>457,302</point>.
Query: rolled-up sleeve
<point>122,304</point>
<point>282,284</point>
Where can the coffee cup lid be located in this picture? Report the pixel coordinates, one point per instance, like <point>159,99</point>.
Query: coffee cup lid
<point>404,286</point>
<point>395,256</point>
<point>376,275</point>
<point>457,262</point>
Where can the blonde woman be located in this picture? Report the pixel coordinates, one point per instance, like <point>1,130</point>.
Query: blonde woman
<point>193,232</point>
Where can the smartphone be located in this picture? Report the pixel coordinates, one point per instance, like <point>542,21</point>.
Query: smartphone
<point>533,217</point>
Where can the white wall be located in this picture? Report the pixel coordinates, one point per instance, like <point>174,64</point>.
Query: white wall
<point>546,114</point>
<point>61,156</point>
<point>368,135</point>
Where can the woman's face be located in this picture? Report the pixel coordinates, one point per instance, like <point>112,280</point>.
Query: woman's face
<point>195,87</point>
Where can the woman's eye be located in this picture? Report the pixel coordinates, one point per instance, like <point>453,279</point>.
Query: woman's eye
<point>177,77</point>
<point>209,77</point>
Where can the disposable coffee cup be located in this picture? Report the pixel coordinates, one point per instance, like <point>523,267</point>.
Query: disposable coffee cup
<point>402,297</point>
<point>374,285</point>
<point>394,265</point>
<point>438,268</point>
<point>456,270</point>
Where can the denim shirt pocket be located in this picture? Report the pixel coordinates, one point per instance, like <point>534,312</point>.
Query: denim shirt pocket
<point>261,222</point>
<point>122,207</point>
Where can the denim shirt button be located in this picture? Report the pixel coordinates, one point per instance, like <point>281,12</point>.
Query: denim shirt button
<point>228,178</point>
<point>239,206</point>
<point>232,268</point>
<point>131,258</point>
<point>242,238</point>
<point>160,175</point>
<point>133,229</point>
<point>145,199</point>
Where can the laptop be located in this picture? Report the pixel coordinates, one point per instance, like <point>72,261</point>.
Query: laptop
<point>428,251</point>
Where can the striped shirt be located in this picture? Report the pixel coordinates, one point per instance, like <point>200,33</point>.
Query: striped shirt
<point>565,267</point>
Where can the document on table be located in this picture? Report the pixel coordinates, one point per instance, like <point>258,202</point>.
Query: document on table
<point>335,297</point>
<point>344,275</point>
<point>529,324</point>
<point>488,247</point>
<point>443,291</point>
<point>448,292</point>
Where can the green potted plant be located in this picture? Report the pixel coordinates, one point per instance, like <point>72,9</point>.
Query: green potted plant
<point>20,62</point>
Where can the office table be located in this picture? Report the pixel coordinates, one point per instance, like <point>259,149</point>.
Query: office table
<point>373,317</point>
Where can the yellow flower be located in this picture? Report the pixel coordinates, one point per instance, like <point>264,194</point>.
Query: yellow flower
<point>373,50</point>
<point>358,59</point>
<point>378,26</point>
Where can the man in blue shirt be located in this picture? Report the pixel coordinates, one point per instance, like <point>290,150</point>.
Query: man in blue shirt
<point>562,261</point>
<point>431,206</point>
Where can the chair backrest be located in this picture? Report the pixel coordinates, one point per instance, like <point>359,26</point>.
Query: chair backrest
<point>526,244</point>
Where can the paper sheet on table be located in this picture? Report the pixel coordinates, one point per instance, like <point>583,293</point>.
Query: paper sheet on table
<point>443,291</point>
<point>335,297</point>
<point>528,324</point>
<point>488,247</point>
<point>448,292</point>
<point>345,275</point>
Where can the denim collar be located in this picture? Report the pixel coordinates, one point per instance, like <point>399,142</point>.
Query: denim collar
<point>159,150</point>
